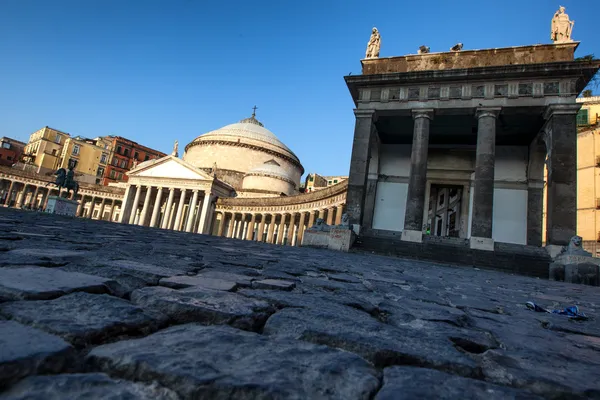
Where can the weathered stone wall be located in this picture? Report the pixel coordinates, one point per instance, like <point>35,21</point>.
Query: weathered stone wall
<point>537,54</point>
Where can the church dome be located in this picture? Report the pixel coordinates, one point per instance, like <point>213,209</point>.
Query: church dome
<point>269,176</point>
<point>241,149</point>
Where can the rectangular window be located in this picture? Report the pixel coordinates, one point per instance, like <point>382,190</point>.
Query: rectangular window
<point>57,139</point>
<point>6,145</point>
<point>329,182</point>
<point>582,117</point>
<point>120,176</point>
<point>9,158</point>
<point>147,157</point>
<point>112,174</point>
<point>76,150</point>
<point>335,181</point>
<point>311,178</point>
<point>136,155</point>
<point>103,158</point>
<point>123,164</point>
<point>126,152</point>
<point>100,171</point>
<point>119,149</point>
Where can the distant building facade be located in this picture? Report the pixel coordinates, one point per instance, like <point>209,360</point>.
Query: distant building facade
<point>44,148</point>
<point>126,155</point>
<point>10,151</point>
<point>91,157</point>
<point>315,181</point>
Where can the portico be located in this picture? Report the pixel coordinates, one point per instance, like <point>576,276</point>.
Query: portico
<point>169,193</point>
<point>454,145</point>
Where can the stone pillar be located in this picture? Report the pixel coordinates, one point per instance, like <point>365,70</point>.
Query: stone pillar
<point>300,229</point>
<point>231,226</point>
<point>204,214</point>
<point>338,214</point>
<point>9,194</point>
<point>290,232</point>
<point>125,205</point>
<point>156,208</point>
<point>311,218</point>
<point>271,230</point>
<point>281,232</point>
<point>417,181</point>
<point>250,231</point>
<point>79,211</point>
<point>364,132</point>
<point>21,196</point>
<point>561,202</point>
<point>330,212</point>
<point>113,207</point>
<point>483,188</point>
<point>177,226</point>
<point>92,204</point>
<point>535,210</point>
<point>101,211</point>
<point>167,214</point>
<point>221,224</point>
<point>146,205</point>
<point>47,198</point>
<point>135,204</point>
<point>33,202</point>
<point>261,228</point>
<point>192,213</point>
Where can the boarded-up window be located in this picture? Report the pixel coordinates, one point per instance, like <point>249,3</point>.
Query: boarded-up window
<point>582,117</point>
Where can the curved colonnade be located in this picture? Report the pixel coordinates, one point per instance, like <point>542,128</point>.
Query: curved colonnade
<point>278,220</point>
<point>22,189</point>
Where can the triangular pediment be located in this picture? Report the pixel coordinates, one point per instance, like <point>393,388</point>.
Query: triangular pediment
<point>169,167</point>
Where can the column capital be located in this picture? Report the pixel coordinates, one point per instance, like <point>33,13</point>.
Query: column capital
<point>561,109</point>
<point>422,113</point>
<point>363,113</point>
<point>487,112</point>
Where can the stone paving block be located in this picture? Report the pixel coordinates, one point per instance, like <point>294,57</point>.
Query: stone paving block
<point>180,282</point>
<point>38,283</point>
<point>273,284</point>
<point>358,332</point>
<point>43,256</point>
<point>241,280</point>
<point>207,306</point>
<point>221,362</point>
<point>84,386</point>
<point>421,383</point>
<point>25,351</point>
<point>83,318</point>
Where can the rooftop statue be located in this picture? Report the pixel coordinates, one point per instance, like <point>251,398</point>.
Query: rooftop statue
<point>373,45</point>
<point>175,152</point>
<point>562,27</point>
<point>423,49</point>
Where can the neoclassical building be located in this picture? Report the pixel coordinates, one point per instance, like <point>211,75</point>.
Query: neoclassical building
<point>239,181</point>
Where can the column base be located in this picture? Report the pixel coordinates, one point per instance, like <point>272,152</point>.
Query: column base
<point>480,243</point>
<point>412,236</point>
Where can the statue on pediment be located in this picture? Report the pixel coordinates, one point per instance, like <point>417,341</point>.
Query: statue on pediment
<point>562,27</point>
<point>373,45</point>
<point>175,152</point>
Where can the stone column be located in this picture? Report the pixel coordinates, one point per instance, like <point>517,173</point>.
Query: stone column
<point>281,232</point>
<point>9,194</point>
<point>146,206</point>
<point>261,229</point>
<point>535,210</point>
<point>290,233</point>
<point>231,226</point>
<point>125,205</point>
<point>113,207</point>
<point>250,231</point>
<point>330,216</point>
<point>206,204</point>
<point>156,208</point>
<point>47,198</point>
<point>92,204</point>
<point>300,229</point>
<point>311,218</point>
<point>192,213</point>
<point>135,204</point>
<point>33,202</point>
<point>167,215</point>
<point>364,132</point>
<point>79,211</point>
<point>101,211</point>
<point>177,226</point>
<point>221,224</point>
<point>271,230</point>
<point>21,196</point>
<point>483,188</point>
<point>561,202</point>
<point>338,214</point>
<point>417,181</point>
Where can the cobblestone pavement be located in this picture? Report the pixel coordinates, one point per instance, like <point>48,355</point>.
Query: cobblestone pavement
<point>91,309</point>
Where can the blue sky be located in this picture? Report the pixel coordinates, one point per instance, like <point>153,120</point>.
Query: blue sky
<point>159,70</point>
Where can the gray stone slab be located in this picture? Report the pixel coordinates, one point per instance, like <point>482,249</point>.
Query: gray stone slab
<point>421,383</point>
<point>84,386</point>
<point>43,256</point>
<point>241,280</point>
<point>26,351</point>
<point>273,284</point>
<point>221,362</point>
<point>38,283</point>
<point>83,318</point>
<point>207,306</point>
<point>180,282</point>
<point>358,332</point>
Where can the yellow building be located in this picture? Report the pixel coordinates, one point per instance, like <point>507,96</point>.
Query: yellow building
<point>91,156</point>
<point>44,149</point>
<point>316,182</point>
